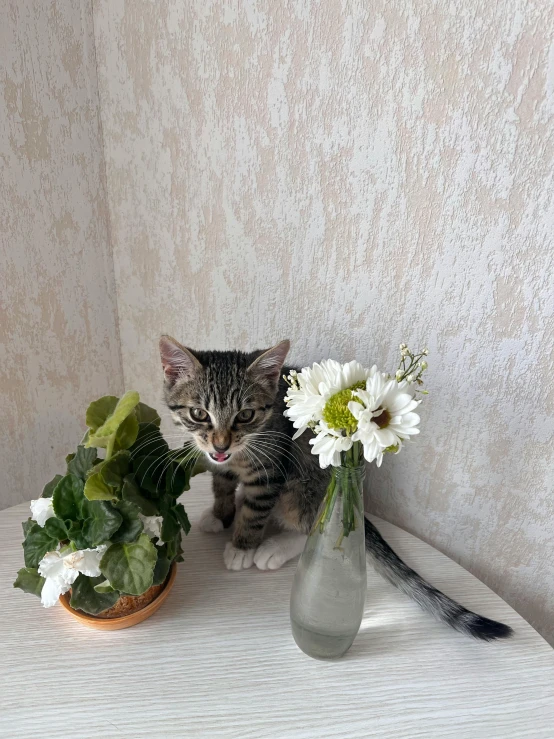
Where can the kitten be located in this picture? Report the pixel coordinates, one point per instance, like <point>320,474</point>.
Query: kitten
<point>231,405</point>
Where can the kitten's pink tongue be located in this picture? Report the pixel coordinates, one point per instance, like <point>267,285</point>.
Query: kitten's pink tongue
<point>220,457</point>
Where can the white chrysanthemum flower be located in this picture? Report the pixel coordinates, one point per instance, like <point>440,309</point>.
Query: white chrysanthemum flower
<point>152,525</point>
<point>384,413</point>
<point>328,444</point>
<point>41,510</point>
<point>61,570</point>
<point>313,386</point>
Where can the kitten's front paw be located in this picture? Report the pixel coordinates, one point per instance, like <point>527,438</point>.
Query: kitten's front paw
<point>209,523</point>
<point>237,559</point>
<point>270,555</point>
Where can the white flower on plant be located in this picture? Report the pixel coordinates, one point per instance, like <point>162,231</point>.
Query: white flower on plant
<point>152,525</point>
<point>60,571</point>
<point>384,415</point>
<point>312,387</point>
<point>41,510</point>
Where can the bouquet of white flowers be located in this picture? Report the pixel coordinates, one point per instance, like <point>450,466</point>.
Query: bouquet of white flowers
<point>355,413</point>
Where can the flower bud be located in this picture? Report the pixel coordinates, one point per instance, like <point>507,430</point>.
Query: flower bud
<point>398,375</point>
<point>402,346</point>
<point>410,378</point>
<point>424,365</point>
<point>425,351</point>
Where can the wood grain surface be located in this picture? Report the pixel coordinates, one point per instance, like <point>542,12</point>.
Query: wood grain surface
<point>218,660</point>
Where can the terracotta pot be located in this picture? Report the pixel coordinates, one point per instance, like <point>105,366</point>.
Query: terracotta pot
<point>111,623</point>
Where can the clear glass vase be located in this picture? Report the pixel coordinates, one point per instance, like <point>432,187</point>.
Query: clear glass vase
<point>328,593</point>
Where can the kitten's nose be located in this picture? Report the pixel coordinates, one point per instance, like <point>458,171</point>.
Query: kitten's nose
<point>221,449</point>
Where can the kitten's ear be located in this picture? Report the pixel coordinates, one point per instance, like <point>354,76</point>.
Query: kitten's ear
<point>177,360</point>
<point>269,364</point>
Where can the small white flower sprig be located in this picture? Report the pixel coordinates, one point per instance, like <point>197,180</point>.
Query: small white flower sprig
<point>347,404</point>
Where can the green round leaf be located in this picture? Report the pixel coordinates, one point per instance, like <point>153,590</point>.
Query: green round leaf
<point>68,498</point>
<point>37,543</point>
<point>100,410</point>
<point>55,528</point>
<point>130,567</point>
<point>182,517</point>
<point>149,442</point>
<point>96,489</point>
<point>75,534</point>
<point>148,415</point>
<point>133,494</point>
<point>127,433</point>
<point>49,488</point>
<point>85,598</point>
<point>123,408</point>
<point>102,522</point>
<point>82,462</point>
<point>113,470</point>
<point>161,569</point>
<point>131,526</point>
<point>29,581</point>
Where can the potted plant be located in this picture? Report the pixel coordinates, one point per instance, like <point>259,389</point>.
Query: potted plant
<point>104,538</point>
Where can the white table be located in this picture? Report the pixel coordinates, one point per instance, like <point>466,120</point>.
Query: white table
<point>218,659</point>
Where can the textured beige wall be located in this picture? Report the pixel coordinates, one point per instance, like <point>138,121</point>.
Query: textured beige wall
<point>58,329</point>
<point>350,175</point>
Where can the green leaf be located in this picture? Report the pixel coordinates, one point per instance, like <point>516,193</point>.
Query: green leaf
<point>102,522</point>
<point>75,534</point>
<point>174,549</point>
<point>161,569</point>
<point>182,517</point>
<point>148,473</point>
<point>96,489</point>
<point>130,567</point>
<point>56,528</point>
<point>124,407</point>
<point>170,526</point>
<point>68,498</point>
<point>26,525</point>
<point>82,462</point>
<point>131,527</point>
<point>133,494</point>
<point>177,479</point>
<point>104,587</point>
<point>127,433</point>
<point>36,544</point>
<point>29,581</point>
<point>148,415</point>
<point>99,411</point>
<point>85,598</point>
<point>48,489</point>
<point>149,442</point>
<point>113,470</point>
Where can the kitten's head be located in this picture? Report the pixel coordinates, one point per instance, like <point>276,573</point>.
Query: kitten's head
<point>221,398</point>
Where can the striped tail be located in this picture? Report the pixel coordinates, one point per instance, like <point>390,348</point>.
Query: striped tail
<point>431,600</point>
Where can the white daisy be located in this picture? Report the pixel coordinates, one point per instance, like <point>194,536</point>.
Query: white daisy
<point>41,510</point>
<point>384,412</point>
<point>329,444</point>
<point>61,570</point>
<point>313,386</point>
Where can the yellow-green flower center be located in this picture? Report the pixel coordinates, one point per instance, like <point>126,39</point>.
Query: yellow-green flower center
<point>336,414</point>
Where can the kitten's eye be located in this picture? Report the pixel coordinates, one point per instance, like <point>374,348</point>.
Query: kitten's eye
<point>245,416</point>
<point>199,414</point>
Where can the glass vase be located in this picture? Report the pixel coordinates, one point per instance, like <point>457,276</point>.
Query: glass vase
<point>328,593</point>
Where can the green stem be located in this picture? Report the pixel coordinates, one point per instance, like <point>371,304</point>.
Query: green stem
<point>110,446</point>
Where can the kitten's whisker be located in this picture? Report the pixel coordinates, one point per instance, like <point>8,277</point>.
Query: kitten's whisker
<point>272,459</point>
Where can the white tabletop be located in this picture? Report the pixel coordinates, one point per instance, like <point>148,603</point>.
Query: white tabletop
<point>218,659</point>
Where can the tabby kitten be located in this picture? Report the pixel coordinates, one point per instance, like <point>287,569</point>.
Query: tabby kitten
<point>231,405</point>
